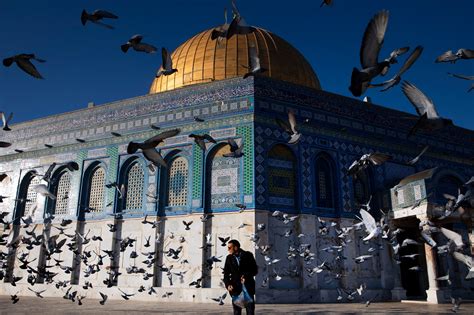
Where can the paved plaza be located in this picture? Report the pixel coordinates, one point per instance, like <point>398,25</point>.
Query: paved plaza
<point>31,305</point>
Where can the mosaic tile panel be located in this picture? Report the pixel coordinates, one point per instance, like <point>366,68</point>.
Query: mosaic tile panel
<point>246,133</point>
<point>197,172</point>
<point>225,180</point>
<point>112,152</point>
<point>281,176</point>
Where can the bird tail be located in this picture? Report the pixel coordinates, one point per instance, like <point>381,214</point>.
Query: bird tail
<point>84,17</point>
<point>125,47</point>
<point>7,62</point>
<point>132,147</point>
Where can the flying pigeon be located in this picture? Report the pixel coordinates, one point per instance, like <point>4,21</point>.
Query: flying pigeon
<point>136,43</point>
<point>96,17</point>
<point>167,64</point>
<point>23,61</point>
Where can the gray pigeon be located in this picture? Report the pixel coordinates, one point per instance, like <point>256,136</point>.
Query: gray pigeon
<point>397,78</point>
<point>254,66</point>
<point>235,150</point>
<point>148,147</point>
<point>5,121</point>
<point>96,17</point>
<point>365,161</point>
<point>136,43</point>
<point>369,53</point>
<point>290,127</point>
<point>23,61</point>
<point>167,64</point>
<point>429,118</point>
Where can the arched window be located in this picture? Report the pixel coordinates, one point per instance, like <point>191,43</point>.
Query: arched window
<point>223,184</point>
<point>61,191</point>
<point>27,196</point>
<point>361,186</point>
<point>134,183</point>
<point>325,178</point>
<point>178,182</point>
<point>93,194</point>
<point>282,177</point>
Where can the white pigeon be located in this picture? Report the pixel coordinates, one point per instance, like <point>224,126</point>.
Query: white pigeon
<point>42,189</point>
<point>370,225</point>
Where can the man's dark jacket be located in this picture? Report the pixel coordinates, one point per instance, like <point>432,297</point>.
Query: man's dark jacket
<point>232,272</point>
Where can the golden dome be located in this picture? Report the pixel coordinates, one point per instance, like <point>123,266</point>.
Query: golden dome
<point>201,59</point>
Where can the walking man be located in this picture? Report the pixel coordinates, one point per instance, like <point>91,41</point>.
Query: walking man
<point>239,269</point>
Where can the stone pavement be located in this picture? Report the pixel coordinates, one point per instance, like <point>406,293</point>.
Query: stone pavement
<point>34,306</point>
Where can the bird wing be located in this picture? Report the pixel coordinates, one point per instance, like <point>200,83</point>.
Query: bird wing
<point>104,14</point>
<point>136,38</point>
<point>209,138</point>
<point>368,220</point>
<point>422,103</point>
<point>460,76</point>
<point>410,60</point>
<point>145,47</point>
<point>4,120</point>
<point>284,125</point>
<point>398,52</point>
<point>254,61</point>
<point>47,175</point>
<point>155,157</point>
<point>379,158</point>
<point>166,56</point>
<point>29,68</point>
<point>235,11</point>
<point>466,53</point>
<point>455,237</point>
<point>465,259</point>
<point>233,145</point>
<point>446,56</point>
<point>292,121</point>
<point>163,135</point>
<point>373,39</point>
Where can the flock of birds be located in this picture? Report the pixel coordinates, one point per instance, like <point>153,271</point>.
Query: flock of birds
<point>377,231</point>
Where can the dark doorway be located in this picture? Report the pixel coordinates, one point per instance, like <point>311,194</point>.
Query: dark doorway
<point>414,281</point>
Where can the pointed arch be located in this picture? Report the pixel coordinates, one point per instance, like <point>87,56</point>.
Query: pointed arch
<point>132,176</point>
<point>93,190</point>
<point>26,196</point>
<point>282,177</point>
<point>222,184</point>
<point>60,186</point>
<point>174,183</point>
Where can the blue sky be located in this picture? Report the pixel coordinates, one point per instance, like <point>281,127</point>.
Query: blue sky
<point>86,64</point>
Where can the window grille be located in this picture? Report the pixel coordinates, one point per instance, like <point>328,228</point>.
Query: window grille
<point>96,190</point>
<point>31,195</point>
<point>322,185</point>
<point>135,181</point>
<point>62,195</point>
<point>178,182</point>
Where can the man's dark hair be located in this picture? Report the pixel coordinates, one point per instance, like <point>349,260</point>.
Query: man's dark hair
<point>234,242</point>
